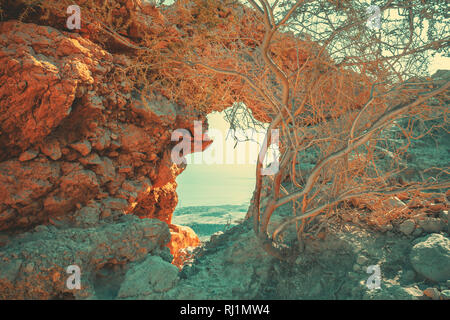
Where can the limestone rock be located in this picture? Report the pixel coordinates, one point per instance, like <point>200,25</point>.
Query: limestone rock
<point>148,279</point>
<point>91,249</point>
<point>432,224</point>
<point>83,147</point>
<point>28,155</point>
<point>182,237</point>
<point>430,257</point>
<point>51,149</point>
<point>407,226</point>
<point>432,293</point>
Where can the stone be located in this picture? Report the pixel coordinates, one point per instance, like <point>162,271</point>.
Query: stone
<point>91,159</point>
<point>83,147</point>
<point>181,238</point>
<point>432,293</point>
<point>362,260</point>
<point>445,294</point>
<point>79,181</point>
<point>51,149</point>
<point>28,155</point>
<point>10,270</point>
<point>101,139</point>
<point>36,96</point>
<point>21,185</point>
<point>105,169</point>
<point>125,169</point>
<point>393,292</point>
<point>148,278</point>
<point>35,257</point>
<point>115,204</point>
<point>432,224</point>
<point>395,202</point>
<point>87,216</point>
<point>430,257</point>
<point>407,226</point>
<point>415,292</point>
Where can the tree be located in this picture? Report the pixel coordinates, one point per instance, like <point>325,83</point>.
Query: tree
<point>335,88</point>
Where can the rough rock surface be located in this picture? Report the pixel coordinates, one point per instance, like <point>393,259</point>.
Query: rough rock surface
<point>233,266</point>
<point>33,265</point>
<point>430,257</point>
<point>149,279</point>
<point>80,145</point>
<point>183,239</point>
<point>407,227</point>
<point>93,145</point>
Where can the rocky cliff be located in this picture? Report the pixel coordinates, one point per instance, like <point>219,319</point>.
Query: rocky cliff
<point>80,147</point>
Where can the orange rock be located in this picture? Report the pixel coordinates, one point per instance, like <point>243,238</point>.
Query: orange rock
<point>182,237</point>
<point>432,293</point>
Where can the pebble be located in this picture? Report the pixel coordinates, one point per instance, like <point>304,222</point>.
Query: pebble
<point>361,260</point>
<point>445,294</point>
<point>432,293</point>
<point>28,155</point>
<point>83,147</point>
<point>407,226</point>
<point>29,267</point>
<point>434,225</point>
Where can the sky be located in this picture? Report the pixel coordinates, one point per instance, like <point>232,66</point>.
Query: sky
<point>209,179</point>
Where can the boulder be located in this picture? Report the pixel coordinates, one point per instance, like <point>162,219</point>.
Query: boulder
<point>407,226</point>
<point>148,279</point>
<point>430,257</point>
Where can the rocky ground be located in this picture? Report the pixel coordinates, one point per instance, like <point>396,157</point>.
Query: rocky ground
<point>125,261</point>
<point>232,265</point>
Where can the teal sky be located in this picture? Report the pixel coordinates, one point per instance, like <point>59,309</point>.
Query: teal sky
<point>216,184</point>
